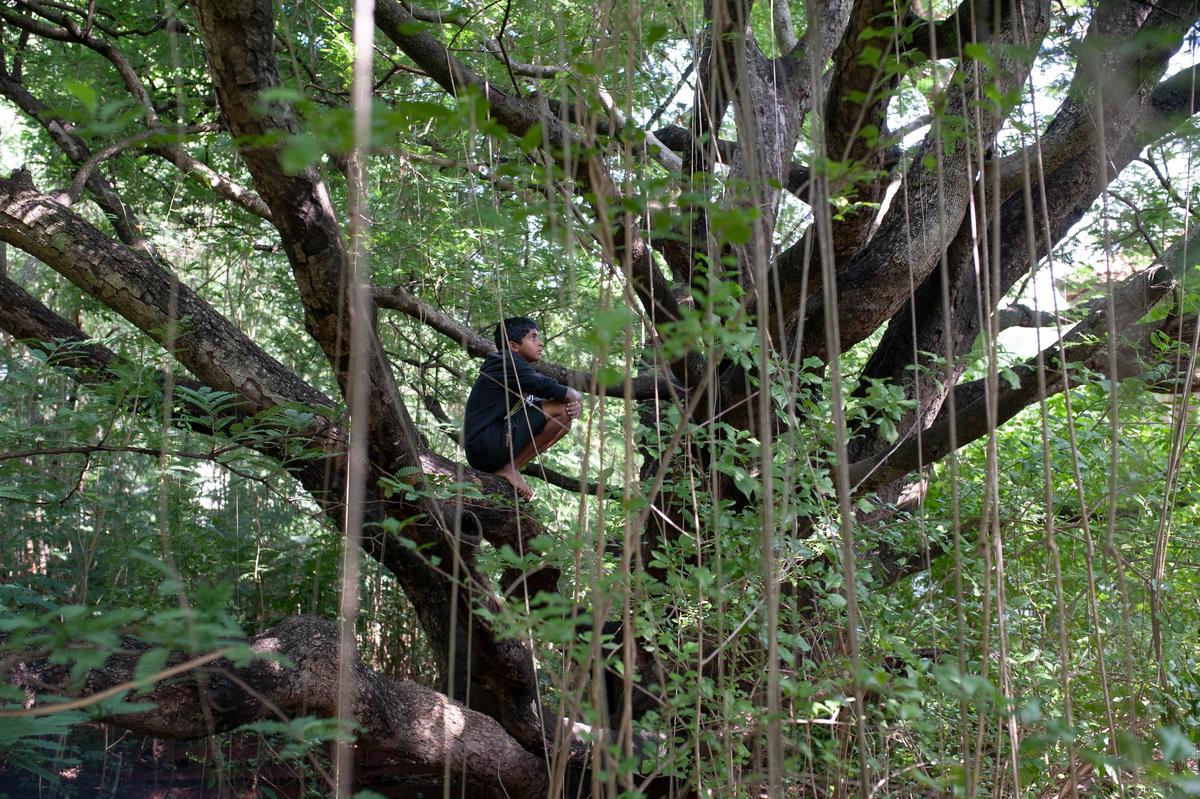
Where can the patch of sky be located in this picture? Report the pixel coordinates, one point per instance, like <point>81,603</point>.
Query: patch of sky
<point>12,129</point>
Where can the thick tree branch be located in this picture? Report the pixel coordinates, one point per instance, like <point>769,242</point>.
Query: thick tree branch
<point>1138,356</point>
<point>296,673</point>
<point>566,481</point>
<point>492,46</point>
<point>910,241</point>
<point>1018,315</point>
<point>1136,114</point>
<point>215,351</point>
<point>67,348</point>
<point>858,100</point>
<point>26,319</point>
<point>1124,78</point>
<point>517,114</point>
<point>725,35</point>
<point>972,420</point>
<point>785,31</point>
<point>972,21</point>
<point>239,42</point>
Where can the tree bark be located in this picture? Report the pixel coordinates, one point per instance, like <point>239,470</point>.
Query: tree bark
<point>295,673</point>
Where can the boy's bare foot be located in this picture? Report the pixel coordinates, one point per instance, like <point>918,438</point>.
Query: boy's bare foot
<point>509,473</point>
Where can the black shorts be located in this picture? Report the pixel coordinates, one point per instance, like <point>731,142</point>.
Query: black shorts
<point>500,443</point>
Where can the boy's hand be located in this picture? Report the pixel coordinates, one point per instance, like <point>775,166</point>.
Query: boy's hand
<point>574,403</point>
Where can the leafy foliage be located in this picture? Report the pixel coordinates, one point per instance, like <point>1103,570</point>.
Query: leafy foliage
<point>1026,623</point>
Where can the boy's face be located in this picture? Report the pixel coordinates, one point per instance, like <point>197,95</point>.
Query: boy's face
<point>529,348</point>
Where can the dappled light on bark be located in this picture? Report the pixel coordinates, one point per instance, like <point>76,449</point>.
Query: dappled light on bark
<point>815,531</point>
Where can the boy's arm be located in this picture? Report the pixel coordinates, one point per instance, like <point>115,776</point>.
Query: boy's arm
<point>522,379</point>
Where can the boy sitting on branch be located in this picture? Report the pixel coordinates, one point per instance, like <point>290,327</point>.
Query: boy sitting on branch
<point>514,413</point>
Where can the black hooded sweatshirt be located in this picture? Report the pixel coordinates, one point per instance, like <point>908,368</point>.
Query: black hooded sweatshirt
<point>503,382</point>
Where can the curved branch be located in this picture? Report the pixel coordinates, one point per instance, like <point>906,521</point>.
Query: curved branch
<point>524,70</point>
<point>122,216</point>
<point>658,152</point>
<point>1136,355</point>
<point>400,299</point>
<point>239,43</point>
<point>174,154</point>
<point>221,184</point>
<point>1018,315</point>
<point>566,481</point>
<point>68,348</point>
<point>297,673</point>
<point>1135,114</point>
<point>858,99</point>
<point>518,115</point>
<point>874,285</point>
<point>972,420</point>
<point>152,299</point>
<point>1134,108</point>
<point>492,46</point>
<point>70,32</point>
<point>972,21</point>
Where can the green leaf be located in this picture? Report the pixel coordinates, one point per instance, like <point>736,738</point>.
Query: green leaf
<point>84,93</point>
<point>532,138</point>
<point>150,664</point>
<point>1175,744</point>
<point>654,32</point>
<point>301,151</point>
<point>978,52</point>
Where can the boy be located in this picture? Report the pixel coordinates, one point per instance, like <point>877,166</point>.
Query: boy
<point>513,412</point>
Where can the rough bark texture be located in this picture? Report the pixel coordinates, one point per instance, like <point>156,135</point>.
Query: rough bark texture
<point>139,289</point>
<point>890,270</point>
<point>1133,117</point>
<point>295,673</point>
<point>498,674</point>
<point>873,286</point>
<point>1132,300</point>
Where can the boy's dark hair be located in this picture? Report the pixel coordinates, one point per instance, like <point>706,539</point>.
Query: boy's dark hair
<point>516,327</point>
